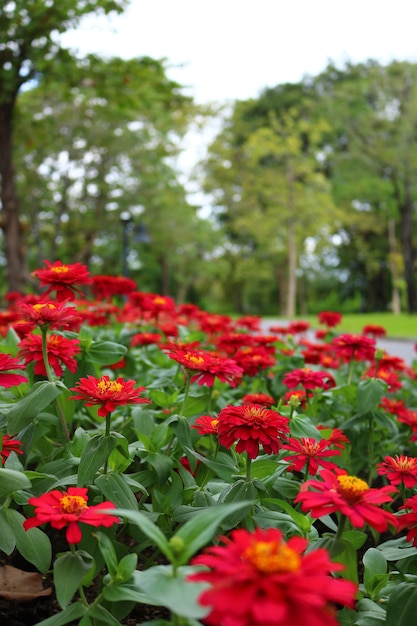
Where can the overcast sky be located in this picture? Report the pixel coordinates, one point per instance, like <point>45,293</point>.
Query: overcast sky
<point>232,49</point>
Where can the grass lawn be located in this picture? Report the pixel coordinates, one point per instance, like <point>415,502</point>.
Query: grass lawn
<point>403,326</point>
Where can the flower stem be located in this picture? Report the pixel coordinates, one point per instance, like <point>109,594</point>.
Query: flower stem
<point>44,331</point>
<point>108,426</point>
<point>248,467</point>
<point>341,527</point>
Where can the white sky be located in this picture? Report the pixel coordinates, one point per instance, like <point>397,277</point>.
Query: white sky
<point>232,49</point>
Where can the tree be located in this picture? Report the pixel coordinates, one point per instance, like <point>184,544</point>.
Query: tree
<point>29,44</point>
<point>372,110</point>
<point>268,185</point>
<point>100,137</point>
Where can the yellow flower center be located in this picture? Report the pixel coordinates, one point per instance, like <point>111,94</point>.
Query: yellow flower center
<point>311,448</point>
<point>405,462</point>
<point>351,488</point>
<point>214,423</point>
<point>272,557</point>
<point>60,269</point>
<point>42,305</point>
<point>192,358</point>
<point>73,504</point>
<point>255,412</point>
<point>112,386</point>
<point>159,300</point>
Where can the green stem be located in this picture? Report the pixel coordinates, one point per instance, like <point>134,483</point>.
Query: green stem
<point>350,373</point>
<point>80,588</point>
<point>248,467</point>
<point>107,434</point>
<point>370,449</point>
<point>44,331</point>
<point>186,392</point>
<point>341,526</point>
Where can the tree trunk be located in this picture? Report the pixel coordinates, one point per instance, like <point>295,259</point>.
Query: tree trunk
<point>292,251</point>
<point>409,253</point>
<point>16,272</point>
<point>393,263</point>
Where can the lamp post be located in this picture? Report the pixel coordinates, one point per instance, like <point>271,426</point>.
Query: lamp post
<point>140,235</point>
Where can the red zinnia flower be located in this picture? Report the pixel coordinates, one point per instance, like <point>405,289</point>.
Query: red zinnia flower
<point>308,379</point>
<point>249,322</point>
<point>251,425</point>
<point>51,314</point>
<point>334,436</point>
<point>258,398</point>
<point>107,394</point>
<point>106,286</point>
<point>299,326</point>
<point>309,452</point>
<point>401,469</point>
<point>386,375</point>
<point>59,349</point>
<point>253,359</point>
<point>63,278</point>
<point>337,491</point>
<point>396,407</point>
<point>355,347</point>
<point>258,579</point>
<point>374,331</point>
<point>409,520</point>
<point>9,445</point>
<point>208,366</point>
<point>69,508</point>
<point>329,318</point>
<point>145,339</point>
<point>8,362</point>
<point>206,425</point>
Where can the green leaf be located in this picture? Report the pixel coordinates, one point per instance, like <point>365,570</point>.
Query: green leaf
<point>304,427</point>
<point>7,540</point>
<point>146,526</point>
<point>200,529</point>
<point>25,410</point>
<point>370,392</point>
<point>33,544</point>
<point>370,614</point>
<point>396,549</point>
<point>107,550</point>
<point>115,488</point>
<point>301,520</point>
<point>106,352</point>
<point>69,571</point>
<point>402,605</point>
<point>94,456</point>
<point>72,613</point>
<point>11,481</point>
<point>374,563</point>
<point>177,594</point>
<point>126,567</point>
<point>355,537</point>
<point>98,612</point>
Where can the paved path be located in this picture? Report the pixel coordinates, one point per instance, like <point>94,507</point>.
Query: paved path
<point>402,348</point>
